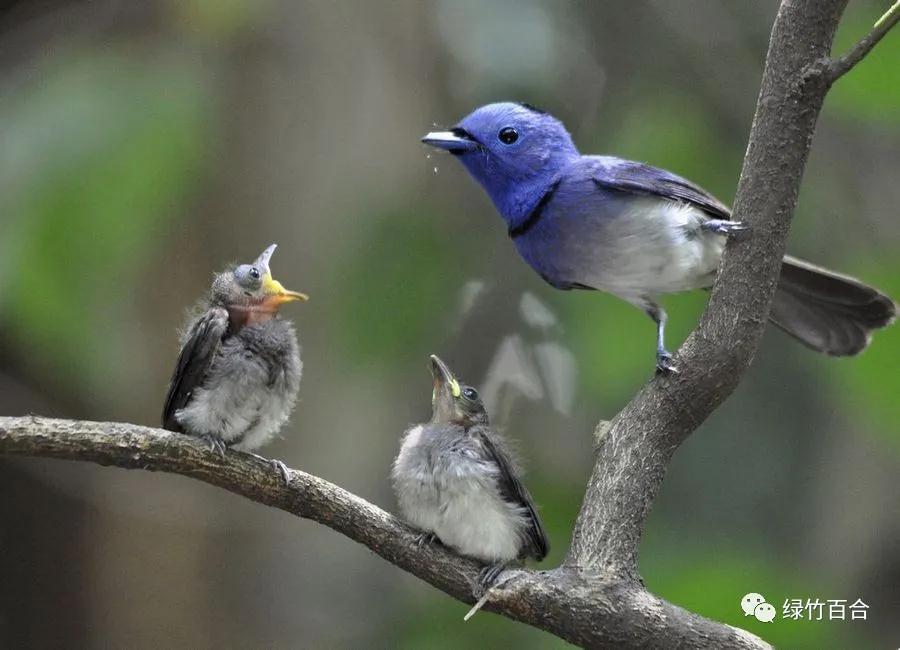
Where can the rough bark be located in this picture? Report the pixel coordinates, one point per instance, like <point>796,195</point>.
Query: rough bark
<point>596,598</point>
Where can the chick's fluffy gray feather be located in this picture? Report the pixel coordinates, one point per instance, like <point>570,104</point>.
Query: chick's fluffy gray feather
<point>463,486</point>
<point>241,386</point>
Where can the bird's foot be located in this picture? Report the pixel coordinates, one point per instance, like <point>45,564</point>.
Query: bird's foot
<point>723,227</point>
<point>282,469</point>
<point>426,539</point>
<point>665,365</point>
<point>216,444</point>
<point>489,578</point>
<point>486,578</point>
<point>277,465</point>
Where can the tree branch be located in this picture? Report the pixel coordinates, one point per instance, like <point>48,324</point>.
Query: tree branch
<point>584,608</point>
<point>636,448</point>
<point>839,67</point>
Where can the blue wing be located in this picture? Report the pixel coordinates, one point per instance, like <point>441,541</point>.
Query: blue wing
<point>638,178</point>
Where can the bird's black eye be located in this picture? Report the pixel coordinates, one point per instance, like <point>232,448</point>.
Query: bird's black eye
<point>508,135</point>
<point>254,273</point>
<point>470,394</point>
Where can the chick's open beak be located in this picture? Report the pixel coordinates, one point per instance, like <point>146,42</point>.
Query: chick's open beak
<point>276,294</point>
<point>443,377</point>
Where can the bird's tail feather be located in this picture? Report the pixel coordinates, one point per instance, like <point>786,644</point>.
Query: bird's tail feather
<point>829,312</point>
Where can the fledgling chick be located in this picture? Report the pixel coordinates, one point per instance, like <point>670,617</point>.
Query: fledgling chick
<point>456,480</point>
<point>239,370</point>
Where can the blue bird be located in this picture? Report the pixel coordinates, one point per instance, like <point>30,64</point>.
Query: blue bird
<point>636,231</point>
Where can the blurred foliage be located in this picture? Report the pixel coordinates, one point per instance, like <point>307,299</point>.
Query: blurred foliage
<point>712,580</point>
<point>870,93</point>
<point>219,19</point>
<point>396,287</point>
<point>868,383</point>
<point>670,131</point>
<point>97,158</point>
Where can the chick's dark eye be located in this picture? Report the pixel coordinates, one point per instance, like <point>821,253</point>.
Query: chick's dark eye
<point>508,135</point>
<point>254,273</point>
<point>471,394</point>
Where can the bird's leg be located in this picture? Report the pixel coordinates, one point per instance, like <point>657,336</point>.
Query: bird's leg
<point>277,465</point>
<point>426,539</point>
<point>215,442</point>
<point>487,577</point>
<point>723,227</point>
<point>664,362</point>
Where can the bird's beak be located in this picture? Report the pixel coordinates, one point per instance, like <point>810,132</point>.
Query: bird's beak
<point>443,377</point>
<point>276,294</point>
<point>274,291</point>
<point>456,140</point>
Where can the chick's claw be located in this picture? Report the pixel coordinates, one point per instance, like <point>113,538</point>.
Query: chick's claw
<point>486,578</point>
<point>426,539</point>
<point>282,469</point>
<point>216,444</point>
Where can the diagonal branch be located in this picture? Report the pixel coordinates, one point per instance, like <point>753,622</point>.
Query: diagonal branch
<point>841,66</point>
<point>583,608</point>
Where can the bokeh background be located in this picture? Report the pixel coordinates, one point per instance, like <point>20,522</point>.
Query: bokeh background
<point>144,145</point>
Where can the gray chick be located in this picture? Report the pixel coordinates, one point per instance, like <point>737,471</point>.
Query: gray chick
<point>456,480</point>
<point>239,370</point>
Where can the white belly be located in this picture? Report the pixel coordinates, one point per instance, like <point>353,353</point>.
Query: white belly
<point>241,403</point>
<point>655,247</point>
<point>454,495</point>
<point>478,523</point>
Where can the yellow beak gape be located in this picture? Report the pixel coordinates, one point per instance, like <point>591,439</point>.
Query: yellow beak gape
<point>273,287</point>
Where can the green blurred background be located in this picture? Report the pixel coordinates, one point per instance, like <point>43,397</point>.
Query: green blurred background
<point>144,145</point>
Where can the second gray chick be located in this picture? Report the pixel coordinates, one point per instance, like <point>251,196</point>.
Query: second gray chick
<point>456,480</point>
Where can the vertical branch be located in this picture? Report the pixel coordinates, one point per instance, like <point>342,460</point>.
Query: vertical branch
<point>635,452</point>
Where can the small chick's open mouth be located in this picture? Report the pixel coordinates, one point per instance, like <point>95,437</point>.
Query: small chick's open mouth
<point>274,292</point>
<point>443,376</point>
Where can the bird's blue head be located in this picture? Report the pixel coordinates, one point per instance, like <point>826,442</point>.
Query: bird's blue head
<point>514,150</point>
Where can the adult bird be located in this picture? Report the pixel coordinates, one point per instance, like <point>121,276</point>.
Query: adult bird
<point>636,231</point>
<point>456,481</point>
<point>239,370</point>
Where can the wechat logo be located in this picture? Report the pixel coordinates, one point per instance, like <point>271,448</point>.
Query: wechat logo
<point>755,604</point>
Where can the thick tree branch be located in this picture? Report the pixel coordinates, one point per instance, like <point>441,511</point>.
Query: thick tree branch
<point>636,449</point>
<point>839,67</point>
<point>587,609</point>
